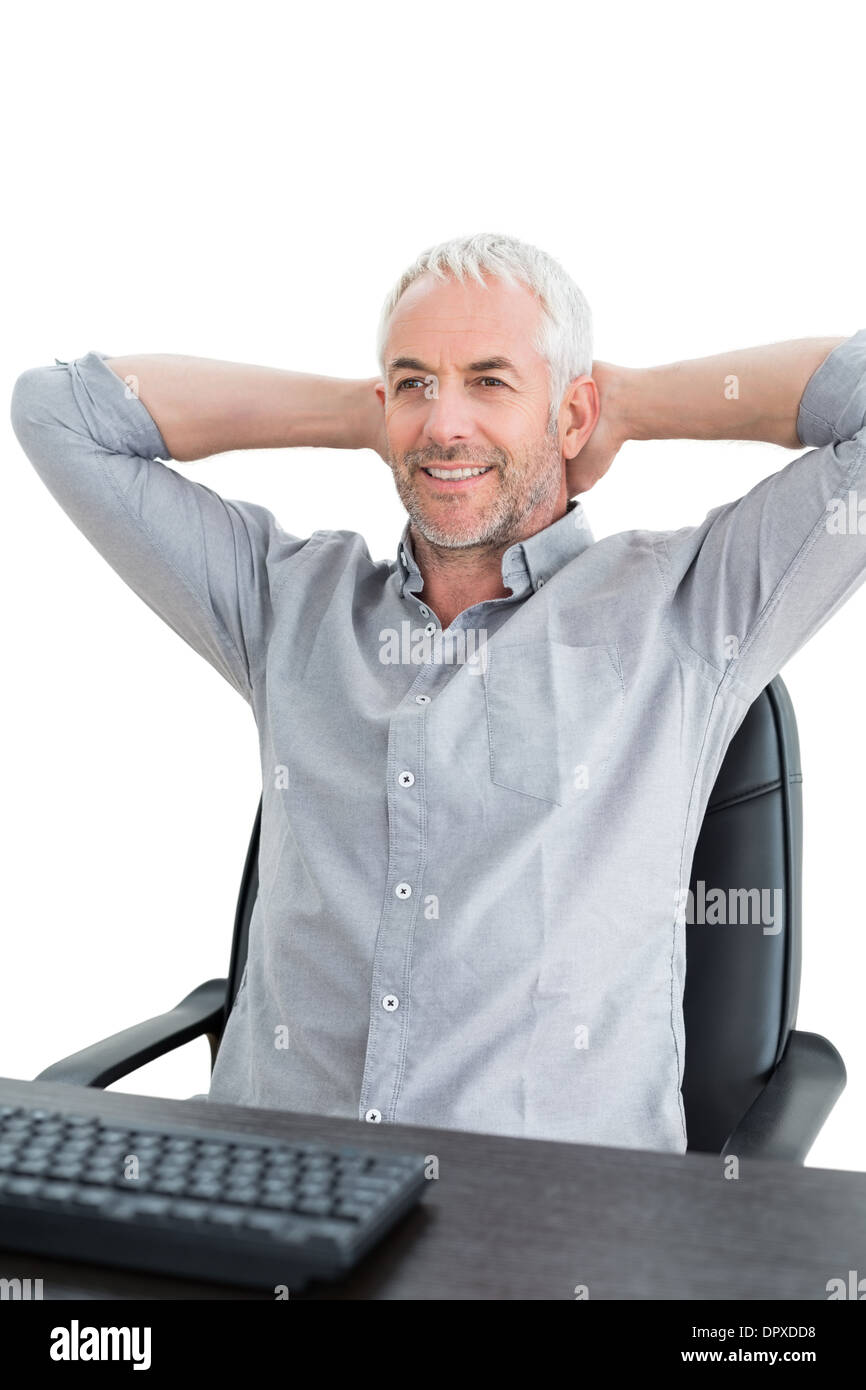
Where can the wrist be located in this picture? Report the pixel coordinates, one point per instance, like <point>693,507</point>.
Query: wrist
<point>634,402</point>
<point>621,390</point>
<point>340,424</point>
<point>366,416</point>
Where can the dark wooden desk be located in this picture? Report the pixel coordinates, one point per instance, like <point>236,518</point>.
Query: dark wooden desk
<point>528,1219</point>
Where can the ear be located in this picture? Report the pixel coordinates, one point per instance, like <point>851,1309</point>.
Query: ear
<point>580,409</point>
<point>381,434</point>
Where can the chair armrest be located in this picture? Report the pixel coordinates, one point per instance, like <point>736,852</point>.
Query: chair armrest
<point>201,1012</point>
<point>785,1119</point>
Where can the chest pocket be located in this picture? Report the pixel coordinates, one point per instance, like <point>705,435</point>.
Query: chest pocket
<point>553,712</point>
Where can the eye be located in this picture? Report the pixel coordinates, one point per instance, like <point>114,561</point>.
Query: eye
<point>407,381</point>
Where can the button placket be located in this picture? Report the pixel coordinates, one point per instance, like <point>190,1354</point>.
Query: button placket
<point>392,960</point>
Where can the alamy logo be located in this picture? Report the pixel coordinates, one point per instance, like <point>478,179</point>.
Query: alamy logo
<point>720,907</point>
<point>855,1287</point>
<point>20,1289</point>
<point>75,1343</point>
<point>421,646</point>
<point>847,517</point>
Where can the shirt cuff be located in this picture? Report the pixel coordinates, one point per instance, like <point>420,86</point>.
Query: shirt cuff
<point>833,405</point>
<point>115,416</point>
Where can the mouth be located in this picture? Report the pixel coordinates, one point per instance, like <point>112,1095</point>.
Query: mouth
<point>456,479</point>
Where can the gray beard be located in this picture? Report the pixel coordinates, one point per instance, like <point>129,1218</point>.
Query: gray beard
<point>502,521</point>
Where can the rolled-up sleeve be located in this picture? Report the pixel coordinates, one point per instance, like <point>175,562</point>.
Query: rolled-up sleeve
<point>760,575</point>
<point>196,559</point>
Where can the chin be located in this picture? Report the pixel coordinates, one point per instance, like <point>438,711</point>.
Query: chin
<point>440,533</point>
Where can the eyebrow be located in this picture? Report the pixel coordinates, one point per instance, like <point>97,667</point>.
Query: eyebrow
<point>486,364</point>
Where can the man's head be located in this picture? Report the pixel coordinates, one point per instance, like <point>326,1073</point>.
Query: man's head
<point>485,350</point>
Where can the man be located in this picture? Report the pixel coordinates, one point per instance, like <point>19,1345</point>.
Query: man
<point>474,842</point>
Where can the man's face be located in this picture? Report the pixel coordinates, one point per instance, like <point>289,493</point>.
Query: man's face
<point>465,389</point>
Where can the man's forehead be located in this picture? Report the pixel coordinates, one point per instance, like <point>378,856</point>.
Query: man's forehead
<point>440,301</point>
<point>464,321</point>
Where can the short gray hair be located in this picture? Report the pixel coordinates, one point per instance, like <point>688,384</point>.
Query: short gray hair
<point>564,337</point>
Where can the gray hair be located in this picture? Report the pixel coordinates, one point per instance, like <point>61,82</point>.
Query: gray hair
<point>564,336</point>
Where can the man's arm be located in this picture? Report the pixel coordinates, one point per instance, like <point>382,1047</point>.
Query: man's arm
<point>205,406</point>
<point>760,575</point>
<point>202,562</point>
<point>750,393</point>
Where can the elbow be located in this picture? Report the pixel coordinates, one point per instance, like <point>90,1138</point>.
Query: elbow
<point>27,409</point>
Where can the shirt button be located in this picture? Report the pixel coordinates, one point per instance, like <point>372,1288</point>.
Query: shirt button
<point>403,558</point>
<point>539,583</point>
<point>390,1002</point>
<point>430,629</point>
<point>422,699</point>
<point>406,778</point>
<point>423,611</point>
<point>403,890</point>
<point>374,1117</point>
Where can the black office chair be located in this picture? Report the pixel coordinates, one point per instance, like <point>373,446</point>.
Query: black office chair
<point>753,1085</point>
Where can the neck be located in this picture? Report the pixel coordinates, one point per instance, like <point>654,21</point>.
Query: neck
<point>457,578</point>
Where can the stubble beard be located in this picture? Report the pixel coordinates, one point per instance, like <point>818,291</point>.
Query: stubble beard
<point>534,481</point>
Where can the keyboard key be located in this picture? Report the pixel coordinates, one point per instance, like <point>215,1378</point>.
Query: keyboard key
<point>264,1221</point>
<point>57,1191</point>
<point>223,1215</point>
<point>189,1211</point>
<point>66,1171</point>
<point>352,1211</point>
<point>172,1185</point>
<point>314,1206</point>
<point>93,1196</point>
<point>23,1187</point>
<point>205,1189</point>
<point>148,1205</point>
<point>279,1201</point>
<point>33,1165</point>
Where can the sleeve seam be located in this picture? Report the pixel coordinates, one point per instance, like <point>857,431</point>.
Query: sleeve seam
<point>308,550</point>
<point>794,566</point>
<point>821,419</point>
<point>678,644</point>
<point>205,607</point>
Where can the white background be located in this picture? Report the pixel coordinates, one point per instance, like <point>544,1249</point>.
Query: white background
<point>247,182</point>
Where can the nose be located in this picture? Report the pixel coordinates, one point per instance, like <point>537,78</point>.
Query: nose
<point>448,420</point>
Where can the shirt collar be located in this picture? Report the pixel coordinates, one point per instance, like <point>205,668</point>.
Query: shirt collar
<point>527,564</point>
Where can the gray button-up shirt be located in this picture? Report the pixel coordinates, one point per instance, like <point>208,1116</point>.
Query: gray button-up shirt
<point>474,846</point>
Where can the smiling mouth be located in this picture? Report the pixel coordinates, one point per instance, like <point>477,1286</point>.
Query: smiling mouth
<point>454,475</point>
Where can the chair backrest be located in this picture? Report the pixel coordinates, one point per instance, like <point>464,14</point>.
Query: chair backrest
<point>243,913</point>
<point>742,977</point>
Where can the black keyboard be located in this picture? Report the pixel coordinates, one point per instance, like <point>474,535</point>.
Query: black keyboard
<point>194,1202</point>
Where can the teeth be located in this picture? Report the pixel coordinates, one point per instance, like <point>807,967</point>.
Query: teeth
<point>449,474</point>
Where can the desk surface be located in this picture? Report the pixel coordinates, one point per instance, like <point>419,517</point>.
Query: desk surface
<point>527,1219</point>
